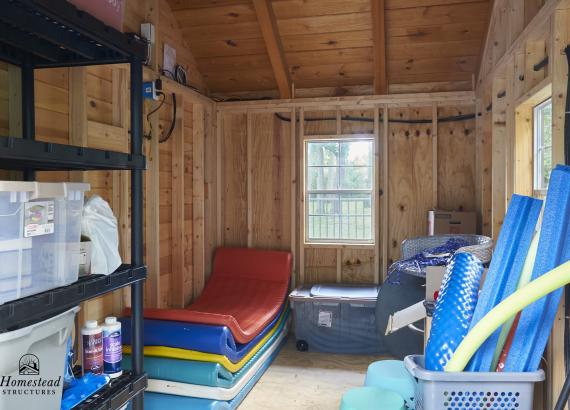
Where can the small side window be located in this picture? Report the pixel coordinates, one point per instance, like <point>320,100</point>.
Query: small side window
<point>542,145</point>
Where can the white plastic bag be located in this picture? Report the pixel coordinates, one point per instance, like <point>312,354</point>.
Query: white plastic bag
<point>100,226</point>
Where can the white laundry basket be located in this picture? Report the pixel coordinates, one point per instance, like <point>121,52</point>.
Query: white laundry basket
<point>39,236</point>
<point>32,363</point>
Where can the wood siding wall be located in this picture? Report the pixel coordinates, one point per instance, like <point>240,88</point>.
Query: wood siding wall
<point>522,36</point>
<point>89,106</point>
<point>419,167</point>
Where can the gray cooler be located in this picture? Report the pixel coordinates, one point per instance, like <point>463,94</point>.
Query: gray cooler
<point>336,318</point>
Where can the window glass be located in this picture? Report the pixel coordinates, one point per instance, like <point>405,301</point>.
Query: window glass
<point>339,184</point>
<point>542,144</point>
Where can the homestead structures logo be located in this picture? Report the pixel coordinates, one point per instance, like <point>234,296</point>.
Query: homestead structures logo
<point>28,381</point>
<point>29,365</point>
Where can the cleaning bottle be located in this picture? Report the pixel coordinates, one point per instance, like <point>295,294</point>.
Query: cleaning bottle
<point>112,347</point>
<point>92,347</point>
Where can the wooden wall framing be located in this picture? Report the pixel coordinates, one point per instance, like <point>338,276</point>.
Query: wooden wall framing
<point>210,185</point>
<point>398,147</point>
<point>89,106</point>
<point>523,64</point>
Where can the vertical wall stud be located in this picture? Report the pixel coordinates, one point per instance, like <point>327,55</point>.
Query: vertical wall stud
<point>434,132</point>
<point>198,249</point>
<point>249,181</point>
<point>338,265</point>
<point>180,283</point>
<point>377,197</point>
<point>302,197</point>
<point>385,190</point>
<point>219,181</point>
<point>294,186</point>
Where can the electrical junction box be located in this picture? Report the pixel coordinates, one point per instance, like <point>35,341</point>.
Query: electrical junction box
<point>151,89</point>
<point>147,32</point>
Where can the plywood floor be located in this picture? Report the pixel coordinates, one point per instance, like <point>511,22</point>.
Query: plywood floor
<point>303,381</point>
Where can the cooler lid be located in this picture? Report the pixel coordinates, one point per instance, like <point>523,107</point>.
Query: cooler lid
<point>350,292</point>
<point>300,293</point>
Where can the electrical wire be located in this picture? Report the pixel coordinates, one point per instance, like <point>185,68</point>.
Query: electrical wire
<point>180,75</point>
<point>165,137</point>
<point>462,117</point>
<point>168,74</point>
<point>172,124</point>
<point>158,107</point>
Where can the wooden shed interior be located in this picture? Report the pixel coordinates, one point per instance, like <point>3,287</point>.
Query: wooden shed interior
<point>445,90</point>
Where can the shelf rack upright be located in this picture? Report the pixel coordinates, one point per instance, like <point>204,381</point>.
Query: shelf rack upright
<point>54,33</point>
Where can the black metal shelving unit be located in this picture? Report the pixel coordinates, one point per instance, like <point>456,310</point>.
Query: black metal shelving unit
<point>54,33</point>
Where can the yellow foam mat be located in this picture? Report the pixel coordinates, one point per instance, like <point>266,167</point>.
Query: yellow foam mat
<point>183,354</point>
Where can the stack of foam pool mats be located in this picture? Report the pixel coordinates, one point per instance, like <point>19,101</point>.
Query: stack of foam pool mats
<point>211,354</point>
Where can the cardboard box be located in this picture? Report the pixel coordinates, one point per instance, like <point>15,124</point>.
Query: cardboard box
<point>444,222</point>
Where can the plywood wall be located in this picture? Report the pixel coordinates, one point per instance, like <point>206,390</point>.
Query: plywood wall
<point>256,180</point>
<point>234,179</point>
<point>411,174</point>
<point>89,106</point>
<point>428,165</point>
<point>269,190</point>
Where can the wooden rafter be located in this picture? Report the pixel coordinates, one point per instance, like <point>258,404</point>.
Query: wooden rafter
<point>379,39</point>
<point>270,32</point>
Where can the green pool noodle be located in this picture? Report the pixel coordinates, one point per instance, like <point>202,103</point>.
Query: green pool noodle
<point>505,310</point>
<point>524,279</point>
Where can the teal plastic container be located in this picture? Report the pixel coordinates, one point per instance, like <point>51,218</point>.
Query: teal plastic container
<point>371,398</point>
<point>392,375</point>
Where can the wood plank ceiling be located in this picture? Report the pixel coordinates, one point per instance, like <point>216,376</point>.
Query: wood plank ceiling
<point>328,45</point>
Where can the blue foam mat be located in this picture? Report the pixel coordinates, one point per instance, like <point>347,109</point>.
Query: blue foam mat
<point>536,321</point>
<point>158,401</point>
<point>505,269</point>
<point>193,336</point>
<point>202,373</point>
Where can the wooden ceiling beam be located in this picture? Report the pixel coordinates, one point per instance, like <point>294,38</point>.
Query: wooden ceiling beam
<point>270,33</point>
<point>379,40</point>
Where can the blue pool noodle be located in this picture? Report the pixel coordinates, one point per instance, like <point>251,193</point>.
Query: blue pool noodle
<point>506,266</point>
<point>536,321</point>
<point>454,309</point>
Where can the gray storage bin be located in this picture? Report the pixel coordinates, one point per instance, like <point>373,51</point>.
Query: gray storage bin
<point>336,318</point>
<point>471,390</point>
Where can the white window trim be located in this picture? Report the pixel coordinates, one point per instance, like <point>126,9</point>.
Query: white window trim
<point>338,242</point>
<point>538,147</point>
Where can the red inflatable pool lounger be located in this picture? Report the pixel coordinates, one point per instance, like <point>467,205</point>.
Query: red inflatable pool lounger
<point>245,292</point>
